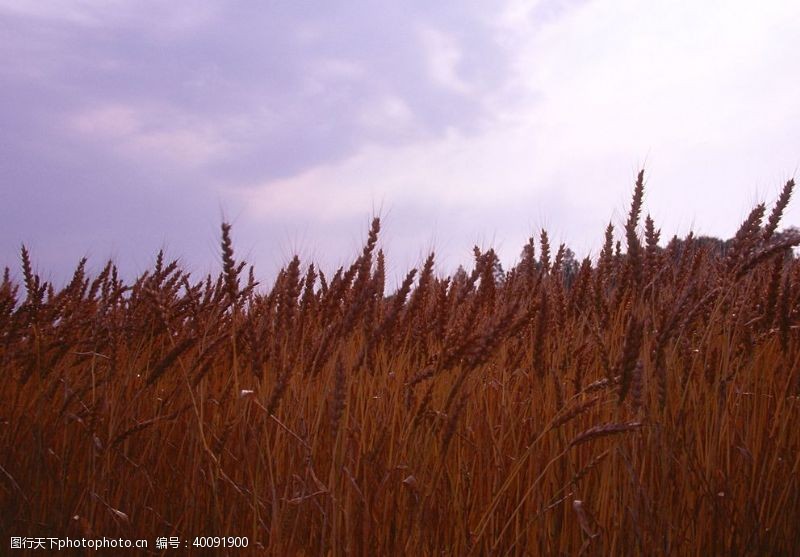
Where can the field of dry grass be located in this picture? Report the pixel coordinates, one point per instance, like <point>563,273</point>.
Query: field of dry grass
<point>643,404</point>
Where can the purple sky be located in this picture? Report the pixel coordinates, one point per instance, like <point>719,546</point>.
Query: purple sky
<point>127,126</point>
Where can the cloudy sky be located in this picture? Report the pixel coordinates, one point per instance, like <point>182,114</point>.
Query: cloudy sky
<point>131,125</point>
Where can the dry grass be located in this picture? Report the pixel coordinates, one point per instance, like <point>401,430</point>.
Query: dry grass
<point>646,404</point>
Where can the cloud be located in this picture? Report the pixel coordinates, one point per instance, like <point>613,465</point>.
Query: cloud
<point>312,87</point>
<point>389,115</point>
<point>148,16</point>
<point>122,112</point>
<point>463,122</point>
<point>703,96</point>
<point>704,99</point>
<point>443,56</point>
<point>73,12</point>
<point>141,133</point>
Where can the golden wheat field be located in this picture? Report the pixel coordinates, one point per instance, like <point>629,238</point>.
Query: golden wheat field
<point>645,402</point>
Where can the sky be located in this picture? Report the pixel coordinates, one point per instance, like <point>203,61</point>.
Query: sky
<point>128,126</point>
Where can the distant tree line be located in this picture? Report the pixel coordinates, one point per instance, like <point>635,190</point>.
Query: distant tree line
<point>566,263</point>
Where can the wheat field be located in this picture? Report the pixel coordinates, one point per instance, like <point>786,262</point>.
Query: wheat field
<point>646,402</point>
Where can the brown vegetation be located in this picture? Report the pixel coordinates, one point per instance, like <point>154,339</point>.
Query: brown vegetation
<point>644,404</point>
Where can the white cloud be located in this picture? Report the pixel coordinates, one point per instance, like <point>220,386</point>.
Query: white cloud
<point>444,56</point>
<point>703,94</point>
<point>108,121</point>
<point>704,91</point>
<point>338,68</point>
<point>322,74</point>
<point>149,133</point>
<point>72,12</point>
<point>166,19</point>
<point>389,114</point>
